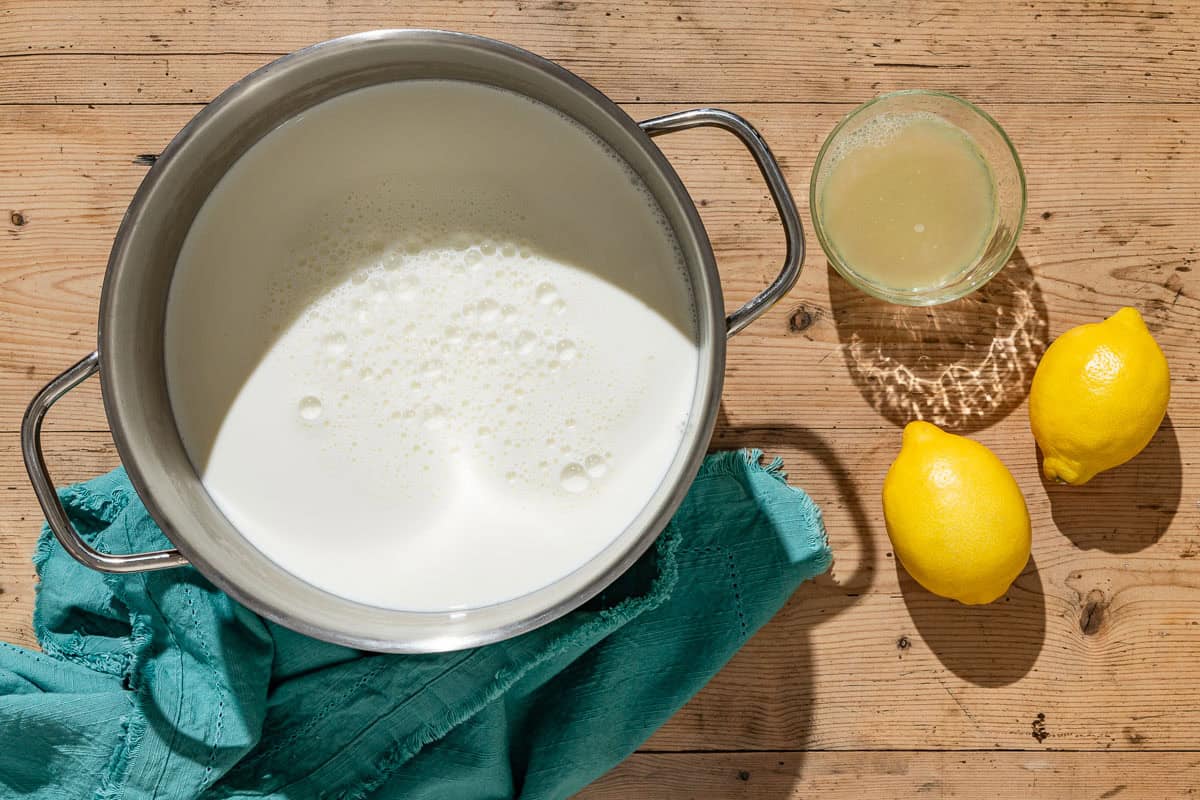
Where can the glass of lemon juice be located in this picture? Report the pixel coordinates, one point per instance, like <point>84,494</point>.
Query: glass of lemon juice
<point>918,197</point>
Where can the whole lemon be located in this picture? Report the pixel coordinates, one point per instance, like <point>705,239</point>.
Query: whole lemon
<point>955,515</point>
<point>1098,396</point>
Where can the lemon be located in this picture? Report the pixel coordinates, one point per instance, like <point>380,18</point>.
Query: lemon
<point>1098,396</point>
<point>955,515</point>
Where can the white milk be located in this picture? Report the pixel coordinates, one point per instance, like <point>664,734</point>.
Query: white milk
<point>430,346</point>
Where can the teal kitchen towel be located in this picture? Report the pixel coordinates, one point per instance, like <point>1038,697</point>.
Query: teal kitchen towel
<point>159,686</point>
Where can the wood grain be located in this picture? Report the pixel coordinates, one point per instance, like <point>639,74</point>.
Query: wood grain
<point>656,50</point>
<point>941,775</point>
<point>1099,635</point>
<point>1082,682</point>
<point>1113,197</point>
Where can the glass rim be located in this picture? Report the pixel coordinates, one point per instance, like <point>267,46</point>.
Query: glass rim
<point>913,297</point>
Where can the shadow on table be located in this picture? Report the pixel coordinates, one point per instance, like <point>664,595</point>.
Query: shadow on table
<point>1128,508</point>
<point>963,365</point>
<point>816,600</point>
<point>989,645</point>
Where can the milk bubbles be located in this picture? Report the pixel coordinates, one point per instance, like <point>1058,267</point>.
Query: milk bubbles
<point>574,478</point>
<point>455,341</point>
<point>565,351</point>
<point>525,342</point>
<point>335,343</point>
<point>595,466</point>
<point>310,408</point>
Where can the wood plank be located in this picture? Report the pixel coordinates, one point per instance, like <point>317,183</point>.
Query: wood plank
<point>945,775</point>
<point>657,50</point>
<point>1113,194</point>
<point>71,459</point>
<point>1095,647</point>
<point>1099,635</point>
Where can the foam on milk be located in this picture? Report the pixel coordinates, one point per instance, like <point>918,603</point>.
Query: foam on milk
<point>429,347</point>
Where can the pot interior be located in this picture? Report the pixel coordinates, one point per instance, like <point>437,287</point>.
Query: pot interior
<point>135,301</point>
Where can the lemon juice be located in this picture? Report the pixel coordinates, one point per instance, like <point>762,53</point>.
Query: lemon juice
<point>909,201</point>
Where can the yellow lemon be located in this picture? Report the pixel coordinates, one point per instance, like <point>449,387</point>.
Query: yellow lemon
<point>1098,396</point>
<point>955,515</point>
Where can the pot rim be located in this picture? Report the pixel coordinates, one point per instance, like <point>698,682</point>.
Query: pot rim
<point>120,411</point>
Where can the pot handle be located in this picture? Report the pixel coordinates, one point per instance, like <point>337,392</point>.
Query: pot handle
<point>52,507</point>
<point>784,204</point>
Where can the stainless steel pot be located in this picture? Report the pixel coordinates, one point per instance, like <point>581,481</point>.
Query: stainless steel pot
<point>129,357</point>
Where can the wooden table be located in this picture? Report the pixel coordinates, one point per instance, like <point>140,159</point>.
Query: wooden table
<point>1083,682</point>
